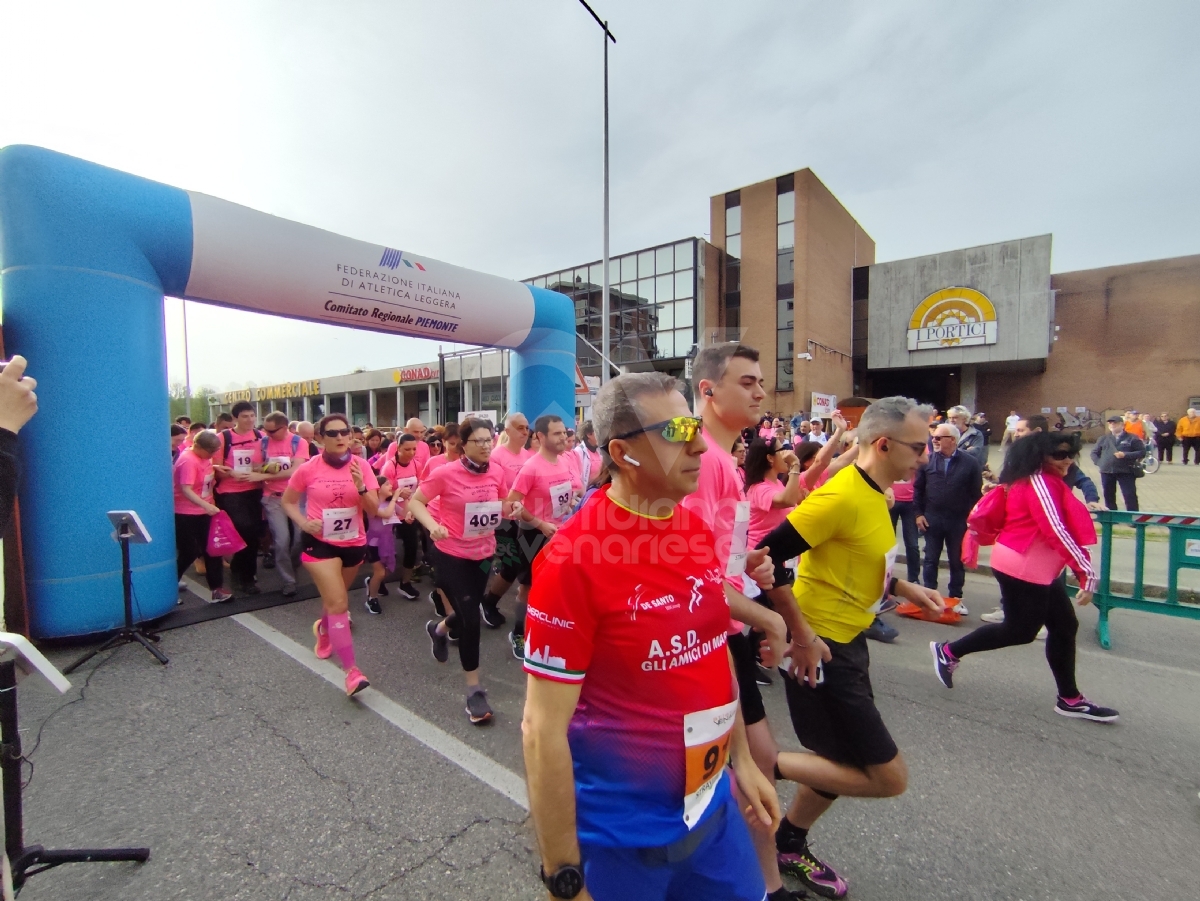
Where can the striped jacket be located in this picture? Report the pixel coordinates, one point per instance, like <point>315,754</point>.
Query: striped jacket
<point>1043,506</point>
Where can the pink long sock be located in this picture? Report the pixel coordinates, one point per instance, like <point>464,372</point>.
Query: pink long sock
<point>340,638</point>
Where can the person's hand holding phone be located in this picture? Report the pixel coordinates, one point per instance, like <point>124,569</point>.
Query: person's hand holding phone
<point>18,402</point>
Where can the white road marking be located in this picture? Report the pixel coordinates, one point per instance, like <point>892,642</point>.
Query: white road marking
<point>1110,656</point>
<point>483,768</point>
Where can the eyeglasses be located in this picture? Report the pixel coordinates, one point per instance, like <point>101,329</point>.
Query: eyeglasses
<point>677,430</point>
<point>1064,455</point>
<point>944,438</point>
<point>482,442</point>
<point>917,447</point>
<point>336,433</point>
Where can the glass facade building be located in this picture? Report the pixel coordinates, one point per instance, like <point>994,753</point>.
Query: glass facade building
<point>652,303</point>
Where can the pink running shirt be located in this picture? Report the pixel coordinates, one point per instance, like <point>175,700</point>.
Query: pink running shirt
<point>197,474</point>
<point>281,452</point>
<point>720,501</point>
<point>333,500</point>
<point>469,503</point>
<point>401,477</point>
<point>537,479</point>
<point>763,516</point>
<point>245,455</point>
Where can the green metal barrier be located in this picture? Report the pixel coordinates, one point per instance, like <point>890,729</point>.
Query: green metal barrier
<point>1183,553</point>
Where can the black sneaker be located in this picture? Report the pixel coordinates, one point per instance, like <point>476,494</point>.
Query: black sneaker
<point>453,633</point>
<point>373,606</point>
<point>478,709</point>
<point>268,560</point>
<point>517,642</point>
<point>943,664</point>
<point>1083,709</point>
<point>492,617</point>
<point>783,893</point>
<point>407,591</point>
<point>762,677</point>
<point>438,607</point>
<point>251,588</point>
<point>441,650</point>
<point>383,590</point>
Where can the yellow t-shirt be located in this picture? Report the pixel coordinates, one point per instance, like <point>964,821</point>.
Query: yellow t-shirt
<point>841,581</point>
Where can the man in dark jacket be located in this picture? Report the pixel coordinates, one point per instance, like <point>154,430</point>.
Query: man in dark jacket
<point>946,489</point>
<point>970,439</point>
<point>1118,454</point>
<point>1165,437</point>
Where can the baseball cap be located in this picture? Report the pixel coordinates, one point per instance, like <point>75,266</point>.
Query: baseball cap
<point>1116,418</point>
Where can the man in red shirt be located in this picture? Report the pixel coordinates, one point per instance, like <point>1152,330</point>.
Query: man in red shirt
<point>631,707</point>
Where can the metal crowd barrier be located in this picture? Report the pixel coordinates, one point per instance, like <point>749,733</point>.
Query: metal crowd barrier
<point>1183,553</point>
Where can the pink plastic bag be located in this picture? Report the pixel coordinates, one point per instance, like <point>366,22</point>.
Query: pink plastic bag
<point>970,550</point>
<point>223,538</point>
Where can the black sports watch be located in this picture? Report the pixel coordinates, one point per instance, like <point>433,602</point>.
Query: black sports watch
<point>565,882</point>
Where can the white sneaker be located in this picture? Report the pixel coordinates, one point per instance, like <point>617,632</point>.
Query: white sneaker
<point>960,608</point>
<point>1042,633</point>
<point>996,616</point>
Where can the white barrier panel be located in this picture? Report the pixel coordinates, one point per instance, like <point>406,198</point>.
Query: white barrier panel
<point>249,259</point>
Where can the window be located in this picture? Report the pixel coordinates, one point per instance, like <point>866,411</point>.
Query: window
<point>645,264</point>
<point>733,246</point>
<point>683,283</point>
<point>683,255</point>
<point>733,221</point>
<point>666,316</point>
<point>684,314</point>
<point>785,278</point>
<point>645,290</point>
<point>628,268</point>
<point>664,287</point>
<point>664,260</point>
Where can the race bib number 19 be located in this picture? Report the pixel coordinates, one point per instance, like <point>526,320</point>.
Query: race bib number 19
<point>706,736</point>
<point>243,460</point>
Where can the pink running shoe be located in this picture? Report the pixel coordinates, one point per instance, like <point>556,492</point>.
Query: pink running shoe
<point>324,648</point>
<point>355,682</point>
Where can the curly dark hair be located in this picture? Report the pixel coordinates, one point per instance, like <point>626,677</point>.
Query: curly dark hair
<point>1027,455</point>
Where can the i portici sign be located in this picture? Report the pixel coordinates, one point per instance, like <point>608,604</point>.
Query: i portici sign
<point>952,317</point>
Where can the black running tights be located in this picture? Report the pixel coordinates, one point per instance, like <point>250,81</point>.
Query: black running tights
<point>1028,607</point>
<point>464,582</point>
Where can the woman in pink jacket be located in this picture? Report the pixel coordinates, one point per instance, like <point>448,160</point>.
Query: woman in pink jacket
<point>1045,528</point>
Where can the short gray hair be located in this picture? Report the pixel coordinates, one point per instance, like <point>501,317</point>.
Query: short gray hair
<point>958,410</point>
<point>886,414</point>
<point>615,410</point>
<point>208,440</point>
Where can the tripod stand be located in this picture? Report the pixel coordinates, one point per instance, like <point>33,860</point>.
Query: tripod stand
<point>29,861</point>
<point>129,632</point>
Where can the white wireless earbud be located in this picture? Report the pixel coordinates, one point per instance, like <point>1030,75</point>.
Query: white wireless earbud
<point>631,461</point>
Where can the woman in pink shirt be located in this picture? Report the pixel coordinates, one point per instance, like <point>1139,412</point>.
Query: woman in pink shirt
<point>774,486</point>
<point>194,510</point>
<point>470,494</point>
<point>400,471</point>
<point>340,487</point>
<point>1045,528</point>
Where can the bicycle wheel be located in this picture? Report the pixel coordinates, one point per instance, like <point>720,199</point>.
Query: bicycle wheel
<point>1150,464</point>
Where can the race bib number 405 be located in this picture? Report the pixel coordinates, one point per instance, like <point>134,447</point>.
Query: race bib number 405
<point>706,735</point>
<point>480,519</point>
<point>339,523</point>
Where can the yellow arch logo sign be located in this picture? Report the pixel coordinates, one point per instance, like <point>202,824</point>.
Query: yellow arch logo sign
<point>952,317</point>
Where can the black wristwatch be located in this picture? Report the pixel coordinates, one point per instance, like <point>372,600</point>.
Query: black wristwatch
<point>565,882</point>
<point>362,491</point>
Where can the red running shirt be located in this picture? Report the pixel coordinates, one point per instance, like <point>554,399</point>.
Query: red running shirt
<point>634,609</point>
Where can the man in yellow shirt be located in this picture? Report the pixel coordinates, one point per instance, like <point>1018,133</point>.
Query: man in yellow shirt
<point>848,545</point>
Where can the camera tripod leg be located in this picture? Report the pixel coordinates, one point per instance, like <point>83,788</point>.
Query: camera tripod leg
<point>37,859</point>
<point>145,640</point>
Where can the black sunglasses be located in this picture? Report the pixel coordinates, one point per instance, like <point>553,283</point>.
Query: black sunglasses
<point>1064,455</point>
<point>336,433</point>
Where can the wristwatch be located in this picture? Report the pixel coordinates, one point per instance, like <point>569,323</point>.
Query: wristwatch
<point>565,882</point>
<point>362,490</point>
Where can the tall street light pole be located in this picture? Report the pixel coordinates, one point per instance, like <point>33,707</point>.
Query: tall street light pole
<point>605,327</point>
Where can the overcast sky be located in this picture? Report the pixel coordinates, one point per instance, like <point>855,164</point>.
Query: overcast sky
<point>470,131</point>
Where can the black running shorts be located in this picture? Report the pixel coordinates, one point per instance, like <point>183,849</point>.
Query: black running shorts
<point>316,549</point>
<point>746,668</point>
<point>529,543</point>
<point>838,719</point>
<point>508,562</point>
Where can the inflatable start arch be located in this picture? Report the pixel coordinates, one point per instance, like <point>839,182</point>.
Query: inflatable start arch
<point>86,256</point>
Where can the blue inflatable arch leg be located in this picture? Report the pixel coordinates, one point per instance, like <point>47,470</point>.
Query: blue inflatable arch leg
<point>86,256</point>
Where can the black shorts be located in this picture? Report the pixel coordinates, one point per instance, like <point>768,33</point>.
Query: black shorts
<point>838,719</point>
<point>372,554</point>
<point>316,549</point>
<point>529,543</point>
<point>508,561</point>
<point>746,668</point>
